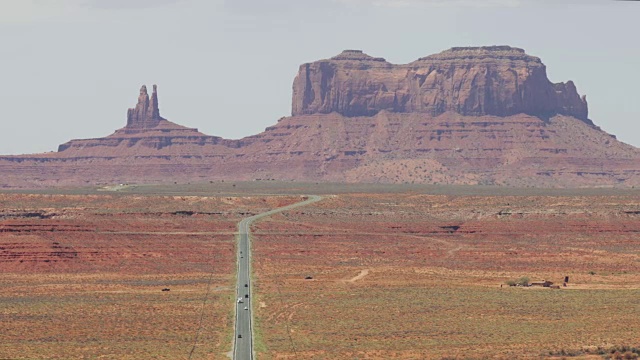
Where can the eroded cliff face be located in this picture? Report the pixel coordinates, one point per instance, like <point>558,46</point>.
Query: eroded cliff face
<point>146,114</point>
<point>471,81</point>
<point>146,132</point>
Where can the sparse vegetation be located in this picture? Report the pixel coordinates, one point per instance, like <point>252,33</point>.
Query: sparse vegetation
<point>431,292</point>
<point>619,352</point>
<point>82,276</point>
<point>523,281</point>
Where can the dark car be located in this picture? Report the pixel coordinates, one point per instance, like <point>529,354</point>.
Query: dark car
<point>246,296</point>
<point>239,336</point>
<point>246,285</point>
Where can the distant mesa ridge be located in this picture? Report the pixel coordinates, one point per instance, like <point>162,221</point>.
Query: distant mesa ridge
<point>472,81</point>
<point>468,115</point>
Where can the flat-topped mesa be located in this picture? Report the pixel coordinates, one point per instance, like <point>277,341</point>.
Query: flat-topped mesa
<point>356,55</point>
<point>472,81</point>
<point>146,114</point>
<point>501,52</point>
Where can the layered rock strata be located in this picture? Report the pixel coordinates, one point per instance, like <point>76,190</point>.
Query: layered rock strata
<point>484,115</point>
<point>471,81</point>
<point>146,132</point>
<point>146,114</point>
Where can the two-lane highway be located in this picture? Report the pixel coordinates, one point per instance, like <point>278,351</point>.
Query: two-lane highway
<point>243,343</point>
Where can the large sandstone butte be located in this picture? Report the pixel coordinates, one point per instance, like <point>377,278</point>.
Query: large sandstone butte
<point>474,115</point>
<point>475,81</point>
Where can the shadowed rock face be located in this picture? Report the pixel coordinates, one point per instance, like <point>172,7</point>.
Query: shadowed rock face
<point>471,81</point>
<point>146,114</point>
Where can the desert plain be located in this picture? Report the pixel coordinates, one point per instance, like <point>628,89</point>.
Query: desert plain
<point>369,272</point>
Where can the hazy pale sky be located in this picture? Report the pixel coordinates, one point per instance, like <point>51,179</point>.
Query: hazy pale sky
<point>71,68</point>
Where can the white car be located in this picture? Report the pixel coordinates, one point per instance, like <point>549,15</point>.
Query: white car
<point>240,300</point>
<point>246,308</point>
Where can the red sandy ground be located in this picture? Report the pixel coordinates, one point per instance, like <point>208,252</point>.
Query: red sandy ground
<point>419,277</point>
<point>394,276</point>
<point>82,275</point>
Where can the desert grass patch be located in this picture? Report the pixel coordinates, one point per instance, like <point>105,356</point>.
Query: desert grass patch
<point>436,264</point>
<point>82,276</point>
<point>443,321</point>
<point>130,321</point>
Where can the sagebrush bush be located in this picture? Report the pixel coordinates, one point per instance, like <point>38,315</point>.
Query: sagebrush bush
<point>523,281</point>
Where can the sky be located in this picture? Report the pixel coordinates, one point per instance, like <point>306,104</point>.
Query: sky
<point>70,69</point>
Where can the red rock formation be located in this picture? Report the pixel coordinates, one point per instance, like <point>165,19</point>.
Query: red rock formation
<point>472,81</point>
<point>518,150</point>
<point>146,114</point>
<point>145,129</point>
<point>465,116</point>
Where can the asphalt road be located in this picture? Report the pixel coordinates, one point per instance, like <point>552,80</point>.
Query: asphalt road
<point>243,344</point>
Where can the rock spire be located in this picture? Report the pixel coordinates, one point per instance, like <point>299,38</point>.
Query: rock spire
<point>146,114</point>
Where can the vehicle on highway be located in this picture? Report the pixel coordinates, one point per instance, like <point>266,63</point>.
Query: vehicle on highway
<point>246,296</point>
<point>239,336</point>
<point>246,308</point>
<point>239,300</point>
<point>246,285</point>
